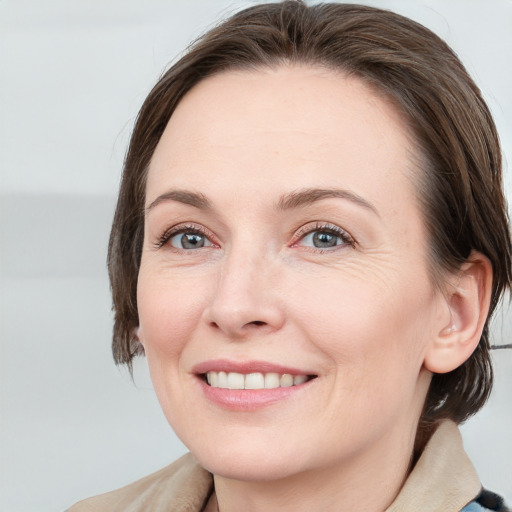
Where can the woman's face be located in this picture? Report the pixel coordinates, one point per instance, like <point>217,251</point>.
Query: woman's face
<point>284,244</point>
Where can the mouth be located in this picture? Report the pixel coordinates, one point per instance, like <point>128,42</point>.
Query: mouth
<point>254,381</point>
<point>246,386</point>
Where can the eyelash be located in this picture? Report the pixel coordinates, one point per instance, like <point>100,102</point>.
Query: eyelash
<point>308,229</point>
<point>182,228</point>
<point>321,227</point>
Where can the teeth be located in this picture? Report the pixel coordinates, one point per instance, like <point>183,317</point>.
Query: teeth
<point>235,380</point>
<point>286,380</point>
<point>299,379</point>
<point>222,379</point>
<point>213,379</point>
<point>254,381</point>
<point>271,380</point>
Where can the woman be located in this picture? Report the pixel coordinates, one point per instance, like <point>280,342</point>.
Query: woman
<point>309,242</point>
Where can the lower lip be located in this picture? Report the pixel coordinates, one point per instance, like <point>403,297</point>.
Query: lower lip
<point>248,399</point>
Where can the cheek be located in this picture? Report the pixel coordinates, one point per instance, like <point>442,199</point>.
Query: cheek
<point>169,310</point>
<point>373,330</point>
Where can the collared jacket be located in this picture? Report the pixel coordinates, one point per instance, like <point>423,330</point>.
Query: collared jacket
<point>443,480</point>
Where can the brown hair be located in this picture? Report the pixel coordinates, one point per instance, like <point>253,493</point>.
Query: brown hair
<point>460,189</point>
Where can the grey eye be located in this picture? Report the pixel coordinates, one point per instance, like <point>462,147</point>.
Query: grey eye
<point>322,239</point>
<point>189,240</point>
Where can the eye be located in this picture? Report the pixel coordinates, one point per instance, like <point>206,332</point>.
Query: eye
<point>184,237</point>
<point>189,240</point>
<point>322,240</point>
<point>323,237</point>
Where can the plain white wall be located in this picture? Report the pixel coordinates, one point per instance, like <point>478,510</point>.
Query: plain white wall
<point>72,77</point>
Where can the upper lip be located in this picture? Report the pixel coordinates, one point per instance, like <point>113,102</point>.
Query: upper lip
<point>245,367</point>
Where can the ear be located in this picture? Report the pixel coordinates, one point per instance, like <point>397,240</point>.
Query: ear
<point>467,303</point>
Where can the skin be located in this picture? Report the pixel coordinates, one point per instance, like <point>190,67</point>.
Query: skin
<point>361,316</point>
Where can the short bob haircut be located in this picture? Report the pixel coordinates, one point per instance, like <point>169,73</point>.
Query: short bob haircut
<point>459,184</point>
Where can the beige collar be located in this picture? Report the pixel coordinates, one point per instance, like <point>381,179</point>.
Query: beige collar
<point>443,479</point>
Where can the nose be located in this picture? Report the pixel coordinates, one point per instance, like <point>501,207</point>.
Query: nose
<point>245,300</point>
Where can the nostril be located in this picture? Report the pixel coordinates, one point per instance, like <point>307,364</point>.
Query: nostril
<point>257,322</point>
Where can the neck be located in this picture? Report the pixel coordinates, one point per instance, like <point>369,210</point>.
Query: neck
<point>369,482</point>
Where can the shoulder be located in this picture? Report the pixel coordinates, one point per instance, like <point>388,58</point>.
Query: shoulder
<point>184,483</point>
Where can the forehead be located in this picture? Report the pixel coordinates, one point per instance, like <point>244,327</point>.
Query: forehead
<point>269,128</point>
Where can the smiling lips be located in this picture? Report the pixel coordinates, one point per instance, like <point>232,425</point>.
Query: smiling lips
<point>250,385</point>
<point>271,380</point>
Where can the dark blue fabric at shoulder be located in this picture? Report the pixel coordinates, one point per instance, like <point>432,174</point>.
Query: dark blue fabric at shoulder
<point>486,501</point>
<point>491,501</point>
<point>473,507</point>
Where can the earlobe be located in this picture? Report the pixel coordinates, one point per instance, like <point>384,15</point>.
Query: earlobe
<point>137,338</point>
<point>467,305</point>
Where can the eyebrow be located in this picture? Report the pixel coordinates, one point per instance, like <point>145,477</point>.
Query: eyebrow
<point>295,199</point>
<point>182,196</point>
<point>308,196</point>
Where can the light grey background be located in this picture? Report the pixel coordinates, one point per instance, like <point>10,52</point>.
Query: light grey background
<point>72,76</point>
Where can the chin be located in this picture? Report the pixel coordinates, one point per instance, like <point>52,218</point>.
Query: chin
<point>249,468</point>
<point>248,461</point>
